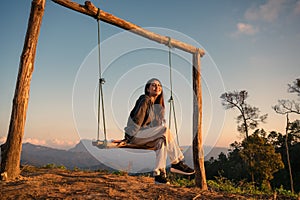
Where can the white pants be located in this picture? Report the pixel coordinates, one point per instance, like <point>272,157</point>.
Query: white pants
<point>161,139</point>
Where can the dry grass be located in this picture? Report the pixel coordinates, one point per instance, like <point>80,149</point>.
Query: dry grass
<point>53,183</point>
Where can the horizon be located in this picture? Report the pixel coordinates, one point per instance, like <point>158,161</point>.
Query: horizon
<point>61,145</point>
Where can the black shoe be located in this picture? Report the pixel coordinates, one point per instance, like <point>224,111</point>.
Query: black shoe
<point>161,179</point>
<point>181,168</point>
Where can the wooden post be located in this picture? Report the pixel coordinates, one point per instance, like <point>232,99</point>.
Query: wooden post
<point>11,149</point>
<point>198,154</point>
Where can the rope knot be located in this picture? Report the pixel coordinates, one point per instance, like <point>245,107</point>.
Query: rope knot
<point>169,42</point>
<point>97,16</point>
<point>102,81</point>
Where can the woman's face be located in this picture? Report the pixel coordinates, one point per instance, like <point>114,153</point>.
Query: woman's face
<point>154,89</point>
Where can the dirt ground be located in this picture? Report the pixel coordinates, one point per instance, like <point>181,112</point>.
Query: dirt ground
<point>38,183</point>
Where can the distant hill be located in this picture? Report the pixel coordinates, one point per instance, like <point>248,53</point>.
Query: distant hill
<point>39,156</point>
<point>80,157</point>
<point>214,152</point>
<point>209,152</point>
<point>81,146</point>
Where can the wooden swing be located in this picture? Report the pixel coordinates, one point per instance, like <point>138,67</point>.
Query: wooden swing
<point>16,131</point>
<point>105,144</point>
<point>198,155</point>
<point>102,144</point>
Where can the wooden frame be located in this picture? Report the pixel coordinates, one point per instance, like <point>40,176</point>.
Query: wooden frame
<point>11,150</point>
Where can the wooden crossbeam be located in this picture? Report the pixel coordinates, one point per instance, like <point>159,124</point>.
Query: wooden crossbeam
<point>89,9</point>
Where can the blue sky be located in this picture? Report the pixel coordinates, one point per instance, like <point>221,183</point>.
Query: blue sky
<point>251,45</point>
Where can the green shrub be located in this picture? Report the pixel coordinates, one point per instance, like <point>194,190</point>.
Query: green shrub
<point>245,188</point>
<point>120,173</point>
<point>284,192</point>
<point>53,166</point>
<point>225,185</point>
<point>49,166</point>
<point>181,180</point>
<point>61,167</point>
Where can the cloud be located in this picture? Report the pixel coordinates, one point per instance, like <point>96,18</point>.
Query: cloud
<point>247,29</point>
<point>34,141</point>
<point>55,143</point>
<point>61,143</point>
<point>267,12</point>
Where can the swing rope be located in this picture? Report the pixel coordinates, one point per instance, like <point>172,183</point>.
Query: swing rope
<point>103,144</point>
<point>171,100</point>
<point>101,82</point>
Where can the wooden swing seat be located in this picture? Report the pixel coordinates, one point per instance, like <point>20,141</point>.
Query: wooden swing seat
<point>117,144</point>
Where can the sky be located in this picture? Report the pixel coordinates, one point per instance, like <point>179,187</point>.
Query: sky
<point>249,45</point>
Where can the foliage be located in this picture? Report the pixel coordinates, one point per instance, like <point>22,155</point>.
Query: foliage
<point>278,141</point>
<point>284,192</point>
<point>223,184</point>
<point>245,188</point>
<point>120,173</point>
<point>49,166</point>
<point>289,106</point>
<point>249,117</point>
<point>285,106</point>
<point>294,131</point>
<point>54,166</point>
<point>232,167</point>
<point>271,159</point>
<point>181,180</point>
<point>254,155</point>
<point>260,157</point>
<point>295,87</point>
<point>76,169</point>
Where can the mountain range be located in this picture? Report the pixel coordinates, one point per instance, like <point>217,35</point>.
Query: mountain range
<point>86,156</point>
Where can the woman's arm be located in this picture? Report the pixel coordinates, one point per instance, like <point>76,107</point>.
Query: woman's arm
<point>137,116</point>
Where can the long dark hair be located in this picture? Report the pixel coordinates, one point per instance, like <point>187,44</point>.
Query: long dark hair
<point>159,100</point>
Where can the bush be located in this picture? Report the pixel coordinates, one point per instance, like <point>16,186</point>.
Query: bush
<point>244,188</point>
<point>181,180</point>
<point>225,185</point>
<point>120,173</point>
<point>284,192</point>
<point>49,166</point>
<point>53,166</point>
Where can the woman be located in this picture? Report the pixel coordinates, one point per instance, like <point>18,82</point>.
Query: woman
<point>145,129</point>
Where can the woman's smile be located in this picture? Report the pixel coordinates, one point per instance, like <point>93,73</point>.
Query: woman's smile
<point>155,88</point>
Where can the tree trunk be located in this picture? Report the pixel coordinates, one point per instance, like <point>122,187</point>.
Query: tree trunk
<point>287,152</point>
<point>198,154</point>
<point>245,124</point>
<point>11,150</point>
